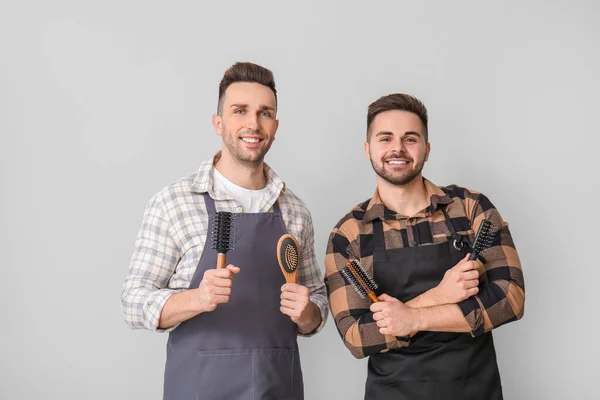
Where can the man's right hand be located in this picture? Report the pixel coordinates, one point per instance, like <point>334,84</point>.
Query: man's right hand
<point>215,287</point>
<point>460,282</point>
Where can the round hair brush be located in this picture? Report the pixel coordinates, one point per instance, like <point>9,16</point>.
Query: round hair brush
<point>484,239</point>
<point>223,235</point>
<point>361,281</point>
<point>288,256</point>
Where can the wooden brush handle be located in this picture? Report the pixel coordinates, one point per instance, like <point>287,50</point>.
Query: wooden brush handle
<point>372,296</point>
<point>221,262</point>
<point>291,278</point>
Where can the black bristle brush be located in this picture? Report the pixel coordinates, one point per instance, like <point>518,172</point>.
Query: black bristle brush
<point>223,235</point>
<point>363,283</point>
<point>484,239</point>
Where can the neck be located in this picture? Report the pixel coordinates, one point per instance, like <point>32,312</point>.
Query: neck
<point>406,199</point>
<point>248,176</point>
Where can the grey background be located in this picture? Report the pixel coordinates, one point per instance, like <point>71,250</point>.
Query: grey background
<point>104,103</point>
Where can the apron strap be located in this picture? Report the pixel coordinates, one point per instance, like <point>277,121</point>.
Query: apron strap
<point>457,240</point>
<point>379,253</point>
<point>210,203</point>
<point>276,208</point>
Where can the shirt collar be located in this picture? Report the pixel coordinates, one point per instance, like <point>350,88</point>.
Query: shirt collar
<point>375,208</point>
<point>203,181</point>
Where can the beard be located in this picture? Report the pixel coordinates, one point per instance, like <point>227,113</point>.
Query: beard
<point>398,178</point>
<point>242,155</point>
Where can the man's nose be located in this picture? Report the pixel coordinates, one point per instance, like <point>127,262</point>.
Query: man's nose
<point>252,122</point>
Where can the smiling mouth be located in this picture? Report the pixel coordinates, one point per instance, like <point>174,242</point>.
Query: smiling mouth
<point>251,140</point>
<point>397,162</point>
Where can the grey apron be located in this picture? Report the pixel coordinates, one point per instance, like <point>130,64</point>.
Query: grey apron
<point>436,365</point>
<point>246,349</point>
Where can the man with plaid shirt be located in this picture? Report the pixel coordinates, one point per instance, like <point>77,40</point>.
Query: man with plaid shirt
<point>232,330</point>
<point>429,335</point>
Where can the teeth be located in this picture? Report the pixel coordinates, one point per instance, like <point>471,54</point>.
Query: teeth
<point>250,140</point>
<point>398,162</point>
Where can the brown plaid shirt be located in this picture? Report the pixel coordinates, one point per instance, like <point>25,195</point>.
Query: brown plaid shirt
<point>500,299</point>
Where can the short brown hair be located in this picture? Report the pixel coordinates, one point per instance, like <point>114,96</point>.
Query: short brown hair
<point>398,101</point>
<point>245,72</point>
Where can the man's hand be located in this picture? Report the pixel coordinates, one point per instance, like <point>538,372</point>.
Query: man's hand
<point>295,303</point>
<point>215,288</point>
<point>459,282</point>
<point>394,317</point>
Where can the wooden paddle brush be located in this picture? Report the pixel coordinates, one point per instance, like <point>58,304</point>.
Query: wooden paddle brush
<point>223,235</point>
<point>288,256</point>
<point>363,283</point>
<point>484,238</point>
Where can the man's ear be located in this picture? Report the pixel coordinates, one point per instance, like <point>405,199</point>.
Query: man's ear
<point>276,128</point>
<point>428,150</point>
<point>367,151</point>
<point>217,122</point>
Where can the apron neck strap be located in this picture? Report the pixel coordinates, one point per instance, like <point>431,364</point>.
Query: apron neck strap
<point>457,240</point>
<point>378,235</point>
<point>210,203</point>
<point>276,208</point>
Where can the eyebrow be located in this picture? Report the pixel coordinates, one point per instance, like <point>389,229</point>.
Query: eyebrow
<point>388,133</point>
<point>262,107</point>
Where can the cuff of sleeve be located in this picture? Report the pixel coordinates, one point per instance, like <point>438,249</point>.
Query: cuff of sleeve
<point>471,310</point>
<point>323,309</point>
<point>153,307</point>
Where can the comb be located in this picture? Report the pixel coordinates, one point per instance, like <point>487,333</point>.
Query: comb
<point>288,256</point>
<point>484,239</point>
<point>223,235</point>
<point>363,283</point>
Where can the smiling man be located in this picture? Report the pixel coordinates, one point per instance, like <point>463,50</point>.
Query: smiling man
<point>429,335</point>
<point>230,338</point>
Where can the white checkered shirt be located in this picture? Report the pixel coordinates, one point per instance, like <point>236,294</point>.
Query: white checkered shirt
<point>172,237</point>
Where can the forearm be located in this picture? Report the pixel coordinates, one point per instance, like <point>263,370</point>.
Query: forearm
<point>443,318</point>
<point>363,338</point>
<point>319,311</point>
<point>430,298</point>
<point>178,308</point>
<point>312,320</point>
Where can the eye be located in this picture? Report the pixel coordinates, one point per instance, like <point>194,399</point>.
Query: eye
<point>265,114</point>
<point>239,111</point>
<point>410,140</point>
<point>385,139</point>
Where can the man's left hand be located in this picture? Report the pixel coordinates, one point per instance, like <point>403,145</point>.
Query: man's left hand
<point>394,317</point>
<point>295,302</point>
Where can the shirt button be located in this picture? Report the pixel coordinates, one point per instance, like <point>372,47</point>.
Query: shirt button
<point>239,209</point>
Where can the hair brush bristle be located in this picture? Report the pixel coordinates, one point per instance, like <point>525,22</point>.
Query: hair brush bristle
<point>351,280</point>
<point>288,253</point>
<point>369,281</point>
<point>288,256</point>
<point>363,283</point>
<point>484,238</point>
<point>223,232</point>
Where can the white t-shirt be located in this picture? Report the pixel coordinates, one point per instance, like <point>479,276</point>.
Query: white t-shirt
<point>249,199</point>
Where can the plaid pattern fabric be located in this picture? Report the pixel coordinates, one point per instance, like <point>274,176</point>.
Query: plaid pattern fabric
<point>172,237</point>
<point>501,299</point>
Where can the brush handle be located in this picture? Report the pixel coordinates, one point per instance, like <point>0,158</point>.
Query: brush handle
<point>373,297</point>
<point>291,278</point>
<point>474,255</point>
<point>221,261</point>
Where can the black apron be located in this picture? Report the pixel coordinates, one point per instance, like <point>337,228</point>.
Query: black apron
<point>436,365</point>
<point>246,349</point>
